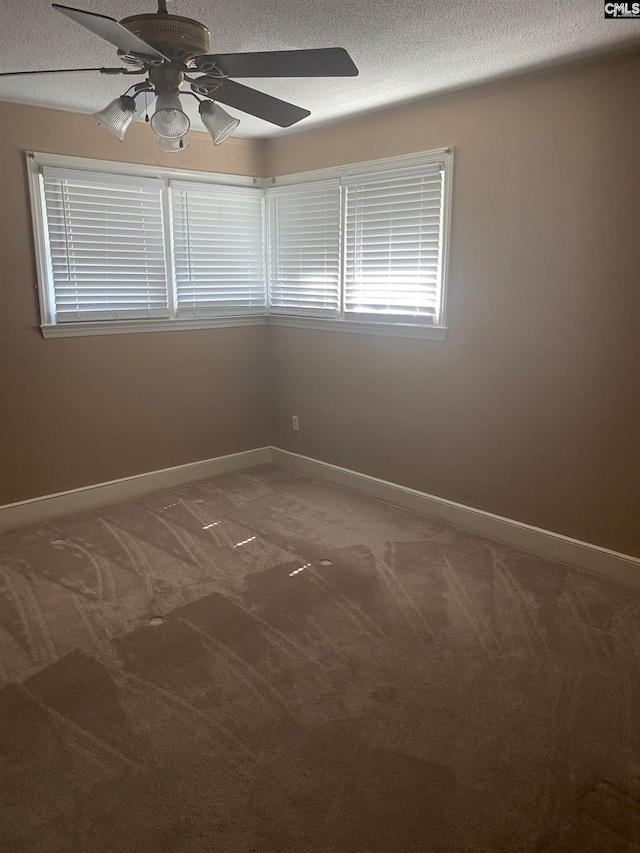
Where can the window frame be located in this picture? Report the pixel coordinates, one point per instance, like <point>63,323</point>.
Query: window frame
<point>67,187</point>
<point>201,310</point>
<point>277,317</point>
<point>52,329</point>
<point>383,326</point>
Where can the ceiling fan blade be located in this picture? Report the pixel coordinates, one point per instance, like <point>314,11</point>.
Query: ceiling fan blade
<point>70,71</point>
<point>110,30</point>
<point>317,62</point>
<point>255,103</point>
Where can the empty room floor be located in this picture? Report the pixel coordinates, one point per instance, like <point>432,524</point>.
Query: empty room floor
<point>330,673</point>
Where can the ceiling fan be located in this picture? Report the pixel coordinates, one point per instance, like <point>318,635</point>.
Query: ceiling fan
<point>169,50</point>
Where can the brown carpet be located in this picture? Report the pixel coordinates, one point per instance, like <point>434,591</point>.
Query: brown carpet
<point>427,690</point>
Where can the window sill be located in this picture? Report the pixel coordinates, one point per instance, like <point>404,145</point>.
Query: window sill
<point>124,327</point>
<point>357,327</point>
<point>360,327</point>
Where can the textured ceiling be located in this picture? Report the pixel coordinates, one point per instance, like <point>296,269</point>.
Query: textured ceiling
<point>403,48</point>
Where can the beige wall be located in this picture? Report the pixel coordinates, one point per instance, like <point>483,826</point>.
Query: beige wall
<point>531,408</point>
<point>75,411</point>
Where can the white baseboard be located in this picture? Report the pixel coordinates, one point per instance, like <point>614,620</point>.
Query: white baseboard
<point>87,497</point>
<point>555,546</point>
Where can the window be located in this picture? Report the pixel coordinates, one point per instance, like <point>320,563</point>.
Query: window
<point>128,248</point>
<point>361,248</point>
<point>392,244</point>
<point>367,246</point>
<point>304,249</point>
<point>218,249</point>
<point>106,246</point>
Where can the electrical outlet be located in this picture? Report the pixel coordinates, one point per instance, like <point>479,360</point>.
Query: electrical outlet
<point>295,423</point>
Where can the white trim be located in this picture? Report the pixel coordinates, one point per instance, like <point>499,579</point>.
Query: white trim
<point>117,167</point>
<point>138,170</point>
<point>445,233</point>
<point>402,162</point>
<point>41,243</point>
<point>169,252</point>
<point>329,324</point>
<point>123,327</point>
<point>88,497</point>
<point>554,546</point>
<point>360,327</point>
<point>342,255</point>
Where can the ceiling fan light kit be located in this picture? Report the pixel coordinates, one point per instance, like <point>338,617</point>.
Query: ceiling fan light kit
<point>169,50</point>
<point>118,115</point>
<point>169,120</point>
<point>217,121</point>
<point>172,146</point>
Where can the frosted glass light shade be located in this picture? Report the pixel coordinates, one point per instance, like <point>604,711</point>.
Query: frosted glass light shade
<point>171,146</point>
<point>218,122</point>
<point>118,115</point>
<point>169,120</point>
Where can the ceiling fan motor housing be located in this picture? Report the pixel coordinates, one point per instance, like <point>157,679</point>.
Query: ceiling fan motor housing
<point>176,37</point>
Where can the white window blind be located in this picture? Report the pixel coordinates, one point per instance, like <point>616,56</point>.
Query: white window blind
<point>365,244</point>
<point>218,246</point>
<point>304,251</point>
<point>392,243</point>
<point>106,246</point>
